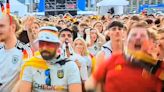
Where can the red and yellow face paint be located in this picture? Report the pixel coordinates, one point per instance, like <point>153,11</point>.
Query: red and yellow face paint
<point>48,46</point>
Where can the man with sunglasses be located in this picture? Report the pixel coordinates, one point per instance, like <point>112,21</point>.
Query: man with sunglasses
<point>115,44</point>
<point>49,71</point>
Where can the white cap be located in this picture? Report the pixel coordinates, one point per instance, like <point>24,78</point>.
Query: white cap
<point>48,36</point>
<point>52,28</point>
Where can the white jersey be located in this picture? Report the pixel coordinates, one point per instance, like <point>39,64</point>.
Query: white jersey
<point>83,68</point>
<point>107,49</point>
<point>94,49</point>
<point>10,64</point>
<point>88,63</point>
<point>74,57</point>
<point>61,76</point>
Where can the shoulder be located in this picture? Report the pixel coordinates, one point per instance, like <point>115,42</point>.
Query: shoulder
<point>21,46</point>
<point>26,50</point>
<point>107,45</point>
<point>115,59</point>
<point>70,64</point>
<point>1,46</point>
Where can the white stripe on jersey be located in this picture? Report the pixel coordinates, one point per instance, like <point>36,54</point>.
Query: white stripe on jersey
<point>22,46</point>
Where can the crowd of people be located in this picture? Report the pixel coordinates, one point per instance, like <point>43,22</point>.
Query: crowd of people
<point>83,53</point>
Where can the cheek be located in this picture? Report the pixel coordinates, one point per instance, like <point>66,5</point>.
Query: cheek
<point>62,39</point>
<point>70,40</point>
<point>130,40</point>
<point>162,42</point>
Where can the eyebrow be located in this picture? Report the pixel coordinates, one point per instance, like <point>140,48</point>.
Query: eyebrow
<point>162,38</point>
<point>2,25</point>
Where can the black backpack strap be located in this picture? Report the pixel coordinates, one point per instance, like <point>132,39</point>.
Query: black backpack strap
<point>63,61</point>
<point>107,48</point>
<point>1,46</point>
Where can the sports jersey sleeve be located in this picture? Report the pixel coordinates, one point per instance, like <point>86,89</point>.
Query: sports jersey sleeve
<point>73,73</point>
<point>27,74</point>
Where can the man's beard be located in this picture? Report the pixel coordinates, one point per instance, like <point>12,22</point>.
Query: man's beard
<point>49,55</point>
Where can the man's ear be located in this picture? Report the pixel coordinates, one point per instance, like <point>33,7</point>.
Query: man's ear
<point>13,27</point>
<point>124,35</point>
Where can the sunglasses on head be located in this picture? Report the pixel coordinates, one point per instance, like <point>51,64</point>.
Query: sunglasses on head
<point>48,79</point>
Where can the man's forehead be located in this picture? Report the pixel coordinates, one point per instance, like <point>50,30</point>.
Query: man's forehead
<point>138,30</point>
<point>4,17</point>
<point>65,32</point>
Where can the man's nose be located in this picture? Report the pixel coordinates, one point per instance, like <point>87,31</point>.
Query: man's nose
<point>138,36</point>
<point>44,47</point>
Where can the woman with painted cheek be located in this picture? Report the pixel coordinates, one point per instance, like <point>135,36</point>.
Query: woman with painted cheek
<point>80,48</point>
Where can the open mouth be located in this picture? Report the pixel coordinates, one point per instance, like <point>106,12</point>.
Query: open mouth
<point>137,46</point>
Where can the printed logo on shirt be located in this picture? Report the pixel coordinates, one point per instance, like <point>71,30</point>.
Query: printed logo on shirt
<point>95,48</point>
<point>39,72</point>
<point>60,74</point>
<point>15,59</point>
<point>46,87</point>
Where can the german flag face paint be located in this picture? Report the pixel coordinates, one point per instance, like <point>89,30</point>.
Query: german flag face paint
<point>48,49</point>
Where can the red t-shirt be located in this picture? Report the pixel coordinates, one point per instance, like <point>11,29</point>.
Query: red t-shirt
<point>123,77</point>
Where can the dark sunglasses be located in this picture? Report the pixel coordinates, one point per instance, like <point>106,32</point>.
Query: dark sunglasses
<point>116,28</point>
<point>48,79</point>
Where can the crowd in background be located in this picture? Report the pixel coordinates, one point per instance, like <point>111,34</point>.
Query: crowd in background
<point>89,40</point>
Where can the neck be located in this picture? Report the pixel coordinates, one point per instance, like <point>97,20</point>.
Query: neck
<point>92,43</point>
<point>10,42</point>
<point>117,46</point>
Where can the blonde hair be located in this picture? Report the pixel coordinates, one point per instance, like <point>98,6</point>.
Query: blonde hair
<point>142,24</point>
<point>85,51</point>
<point>18,24</point>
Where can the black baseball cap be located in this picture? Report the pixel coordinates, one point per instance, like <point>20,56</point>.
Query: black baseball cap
<point>115,24</point>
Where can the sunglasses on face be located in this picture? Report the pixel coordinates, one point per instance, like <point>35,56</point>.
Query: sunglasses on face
<point>116,28</point>
<point>48,79</point>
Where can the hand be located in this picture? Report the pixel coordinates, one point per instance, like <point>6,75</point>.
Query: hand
<point>28,22</point>
<point>87,31</point>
